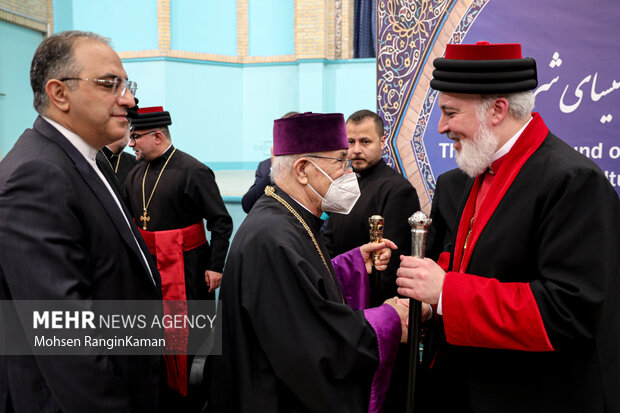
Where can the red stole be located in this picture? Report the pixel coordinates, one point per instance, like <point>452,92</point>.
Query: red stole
<point>529,141</point>
<point>168,247</point>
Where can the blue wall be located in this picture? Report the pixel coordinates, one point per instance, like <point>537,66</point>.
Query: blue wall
<point>350,85</point>
<point>223,113</point>
<point>205,26</point>
<point>203,101</point>
<point>271,27</point>
<point>269,92</point>
<point>132,25</point>
<point>17,46</point>
<point>63,15</point>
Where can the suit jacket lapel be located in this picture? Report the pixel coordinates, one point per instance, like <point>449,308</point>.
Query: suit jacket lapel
<point>103,195</point>
<point>106,169</point>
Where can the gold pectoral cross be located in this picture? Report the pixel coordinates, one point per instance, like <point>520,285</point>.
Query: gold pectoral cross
<point>144,218</point>
<point>471,225</point>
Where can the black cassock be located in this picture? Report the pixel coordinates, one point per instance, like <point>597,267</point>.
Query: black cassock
<point>121,164</point>
<point>185,195</point>
<point>289,343</point>
<point>387,193</point>
<point>532,314</point>
<point>449,193</point>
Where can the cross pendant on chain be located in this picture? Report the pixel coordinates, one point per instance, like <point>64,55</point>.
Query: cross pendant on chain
<point>144,218</point>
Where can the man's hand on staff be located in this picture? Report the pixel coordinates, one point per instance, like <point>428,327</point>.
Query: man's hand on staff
<point>386,246</point>
<point>420,279</point>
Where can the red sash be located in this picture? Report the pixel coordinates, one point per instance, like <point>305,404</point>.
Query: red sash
<point>168,247</point>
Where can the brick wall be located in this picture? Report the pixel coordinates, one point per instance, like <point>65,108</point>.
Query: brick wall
<point>163,27</point>
<point>324,29</point>
<point>316,33</point>
<point>33,14</point>
<point>243,30</point>
<point>311,29</point>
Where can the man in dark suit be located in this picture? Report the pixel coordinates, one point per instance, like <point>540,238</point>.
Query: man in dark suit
<point>65,234</point>
<point>261,180</point>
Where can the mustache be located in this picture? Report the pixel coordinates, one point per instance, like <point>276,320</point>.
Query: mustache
<point>358,158</point>
<point>451,135</point>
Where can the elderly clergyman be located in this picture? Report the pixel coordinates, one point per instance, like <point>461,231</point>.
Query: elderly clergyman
<point>296,334</point>
<point>530,300</point>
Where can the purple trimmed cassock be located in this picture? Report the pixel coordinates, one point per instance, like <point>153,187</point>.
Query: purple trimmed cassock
<point>296,338</point>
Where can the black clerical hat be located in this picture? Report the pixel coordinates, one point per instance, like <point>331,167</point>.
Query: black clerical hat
<point>484,68</point>
<point>133,112</point>
<point>148,118</point>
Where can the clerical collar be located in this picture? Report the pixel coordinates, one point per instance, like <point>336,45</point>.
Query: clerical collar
<point>323,216</point>
<point>314,221</point>
<point>508,145</point>
<point>301,205</point>
<point>107,152</point>
<point>163,157</point>
<point>369,170</point>
<point>87,151</point>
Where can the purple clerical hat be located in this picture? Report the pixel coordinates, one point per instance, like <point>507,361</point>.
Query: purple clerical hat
<point>309,132</point>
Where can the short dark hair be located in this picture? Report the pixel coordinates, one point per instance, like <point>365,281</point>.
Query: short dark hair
<point>165,131</point>
<point>53,59</point>
<point>289,114</point>
<point>363,114</point>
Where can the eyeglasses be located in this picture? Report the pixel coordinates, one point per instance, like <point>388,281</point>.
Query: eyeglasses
<point>348,165</point>
<point>119,86</point>
<point>135,136</point>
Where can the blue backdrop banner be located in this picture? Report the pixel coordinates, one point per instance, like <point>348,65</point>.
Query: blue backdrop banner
<point>575,47</point>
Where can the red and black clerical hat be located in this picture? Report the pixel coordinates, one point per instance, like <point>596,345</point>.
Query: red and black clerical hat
<point>148,118</point>
<point>309,132</point>
<point>484,68</point>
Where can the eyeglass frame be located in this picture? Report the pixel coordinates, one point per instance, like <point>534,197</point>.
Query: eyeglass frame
<point>134,136</point>
<point>348,164</point>
<point>114,82</point>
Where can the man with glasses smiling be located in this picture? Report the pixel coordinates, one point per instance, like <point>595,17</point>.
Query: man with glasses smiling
<point>65,234</point>
<point>297,333</point>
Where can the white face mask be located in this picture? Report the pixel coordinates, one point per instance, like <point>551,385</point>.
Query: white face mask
<point>342,194</point>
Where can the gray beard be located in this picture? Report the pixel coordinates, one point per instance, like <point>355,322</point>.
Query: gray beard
<point>476,154</point>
